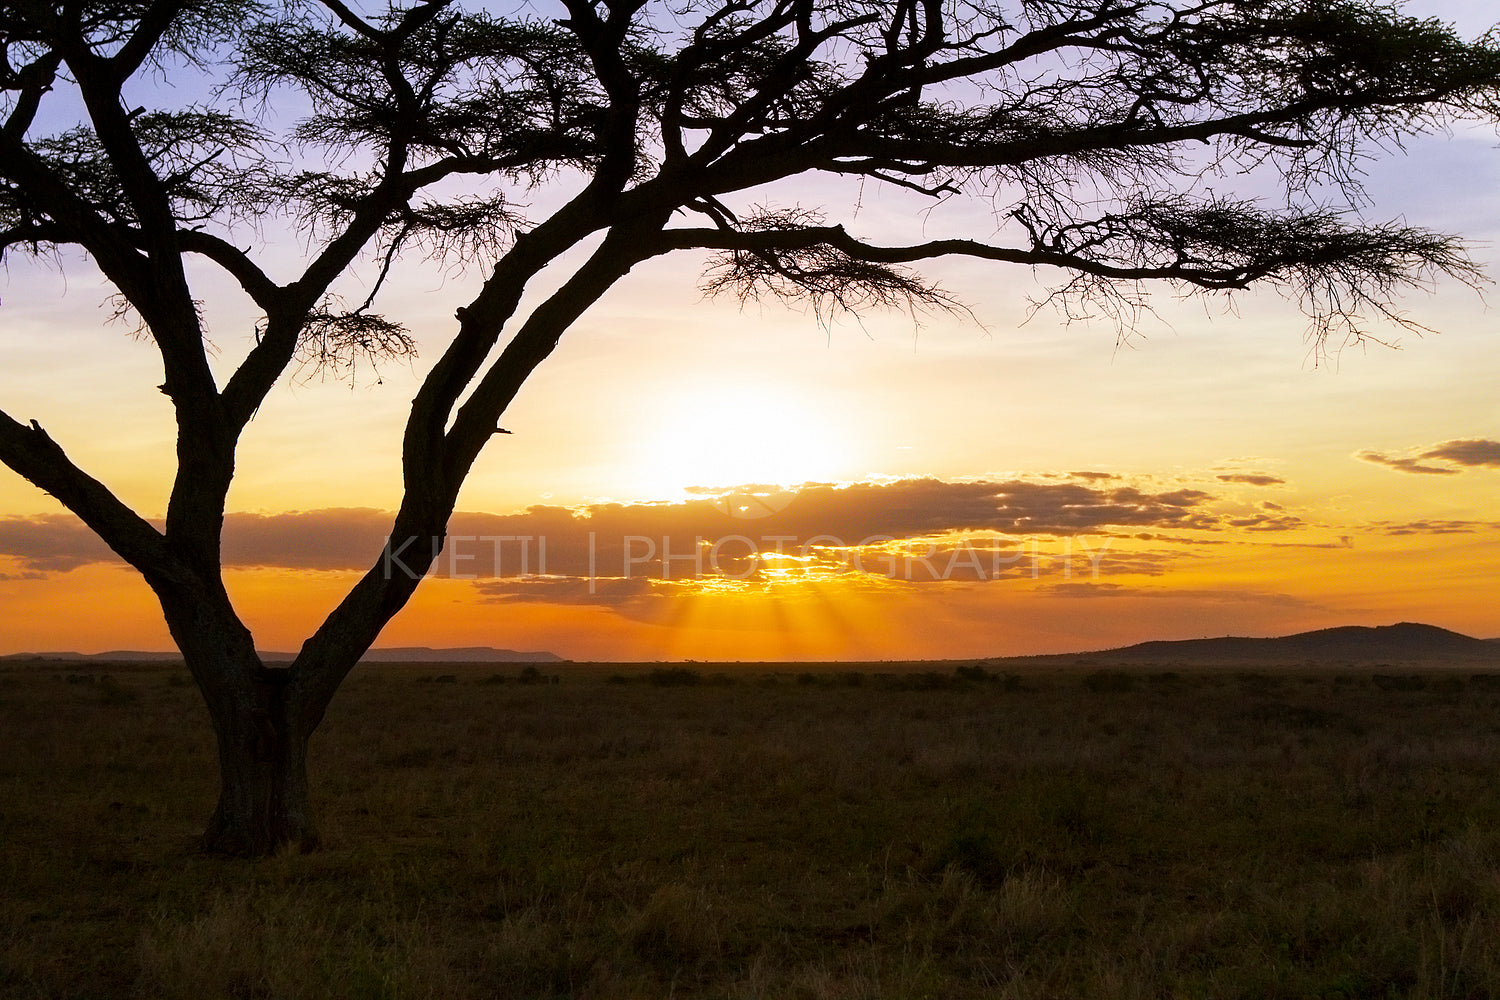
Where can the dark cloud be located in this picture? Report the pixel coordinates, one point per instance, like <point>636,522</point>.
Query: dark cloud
<point>51,542</point>
<point>345,538</point>
<point>1405,464</point>
<point>336,538</point>
<point>1267,522</point>
<point>1147,536</point>
<point>1434,527</point>
<point>1252,479</point>
<point>1468,451</point>
<point>1229,596</point>
<point>1462,453</point>
<point>738,535</point>
<point>961,530</point>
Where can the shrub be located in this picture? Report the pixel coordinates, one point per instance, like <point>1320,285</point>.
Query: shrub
<point>675,677</point>
<point>1399,682</point>
<point>1109,681</point>
<point>111,692</point>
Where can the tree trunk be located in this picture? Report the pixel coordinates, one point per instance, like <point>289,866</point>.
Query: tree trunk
<point>263,793</point>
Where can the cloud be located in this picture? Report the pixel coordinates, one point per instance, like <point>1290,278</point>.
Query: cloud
<point>1227,596</point>
<point>1462,453</point>
<point>1267,522</point>
<point>51,542</point>
<point>1468,451</point>
<point>1405,464</point>
<point>1147,536</point>
<point>336,538</point>
<point>1433,527</point>
<point>1253,479</point>
<point>975,529</point>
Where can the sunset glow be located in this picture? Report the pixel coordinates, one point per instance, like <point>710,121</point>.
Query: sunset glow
<point>727,435</point>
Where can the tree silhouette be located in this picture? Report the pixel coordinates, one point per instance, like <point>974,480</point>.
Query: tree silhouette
<point>1089,127</point>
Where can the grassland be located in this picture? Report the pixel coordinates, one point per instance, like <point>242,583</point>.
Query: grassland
<point>667,833</point>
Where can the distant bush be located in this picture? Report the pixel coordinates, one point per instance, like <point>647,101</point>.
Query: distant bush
<point>1447,684</point>
<point>1109,682</point>
<point>111,692</point>
<point>1305,717</point>
<point>975,673</point>
<point>674,677</point>
<point>1257,681</point>
<point>927,680</point>
<point>1399,682</point>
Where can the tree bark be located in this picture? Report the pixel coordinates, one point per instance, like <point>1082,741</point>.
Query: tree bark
<point>260,726</point>
<point>263,792</point>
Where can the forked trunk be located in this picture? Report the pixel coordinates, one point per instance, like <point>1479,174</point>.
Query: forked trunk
<point>262,737</point>
<point>263,718</point>
<point>263,795</point>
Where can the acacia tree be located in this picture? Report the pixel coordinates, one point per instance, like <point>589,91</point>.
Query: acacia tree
<point>1086,125</point>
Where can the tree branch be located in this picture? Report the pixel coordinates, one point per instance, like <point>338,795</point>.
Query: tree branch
<point>1338,272</point>
<point>154,22</point>
<point>33,81</point>
<point>30,452</point>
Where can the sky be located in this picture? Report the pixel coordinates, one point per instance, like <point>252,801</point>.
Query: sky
<point>690,478</point>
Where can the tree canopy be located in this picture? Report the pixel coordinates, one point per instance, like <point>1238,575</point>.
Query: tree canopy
<point>1102,139</point>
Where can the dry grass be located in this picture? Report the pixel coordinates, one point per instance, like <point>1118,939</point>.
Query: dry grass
<point>832,835</point>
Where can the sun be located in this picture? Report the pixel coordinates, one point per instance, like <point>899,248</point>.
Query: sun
<point>732,436</point>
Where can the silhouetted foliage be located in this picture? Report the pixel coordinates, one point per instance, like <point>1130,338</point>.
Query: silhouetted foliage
<point>675,677</point>
<point>1109,681</point>
<point>1085,129</point>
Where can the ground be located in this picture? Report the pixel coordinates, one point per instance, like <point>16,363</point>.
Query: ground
<point>772,831</point>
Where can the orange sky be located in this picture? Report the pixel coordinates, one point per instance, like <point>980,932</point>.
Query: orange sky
<point>1211,476</point>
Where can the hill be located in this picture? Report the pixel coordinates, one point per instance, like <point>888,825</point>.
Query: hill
<point>1402,642</point>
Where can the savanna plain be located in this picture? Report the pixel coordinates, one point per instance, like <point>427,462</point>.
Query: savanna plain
<point>771,831</point>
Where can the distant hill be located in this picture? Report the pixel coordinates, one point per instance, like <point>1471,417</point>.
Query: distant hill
<point>395,654</point>
<point>1405,641</point>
